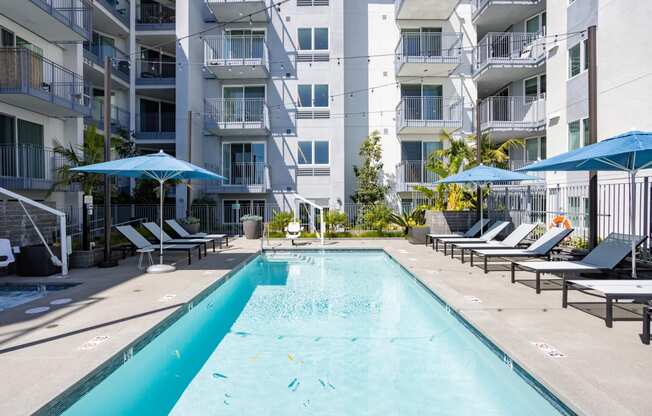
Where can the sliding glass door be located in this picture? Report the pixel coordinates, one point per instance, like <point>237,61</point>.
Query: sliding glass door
<point>244,163</point>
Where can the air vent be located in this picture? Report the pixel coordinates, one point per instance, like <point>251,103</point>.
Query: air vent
<point>312,2</point>
<point>313,114</point>
<point>314,171</point>
<point>313,57</point>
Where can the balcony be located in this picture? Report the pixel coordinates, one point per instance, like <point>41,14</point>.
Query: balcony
<point>428,115</point>
<point>156,73</point>
<point>95,57</point>
<point>496,15</point>
<point>512,117</point>
<point>237,116</point>
<point>237,56</point>
<point>28,167</point>
<point>109,12</point>
<point>30,81</point>
<point>424,9</point>
<point>243,177</point>
<point>156,127</point>
<point>119,117</point>
<point>411,173</point>
<point>502,57</point>
<point>155,17</point>
<point>238,10</point>
<point>427,54</point>
<point>54,20</point>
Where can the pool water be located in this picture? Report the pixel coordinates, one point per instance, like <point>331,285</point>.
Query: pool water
<point>15,294</point>
<point>335,333</point>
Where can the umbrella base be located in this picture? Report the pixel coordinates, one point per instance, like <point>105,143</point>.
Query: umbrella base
<point>161,268</point>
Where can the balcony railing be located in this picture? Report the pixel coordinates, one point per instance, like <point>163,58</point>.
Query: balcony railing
<point>518,164</point>
<point>237,112</point>
<point>76,14</point>
<point>98,54</point>
<point>429,112</point>
<point>413,172</point>
<point>235,50</point>
<point>513,112</point>
<point>429,47</point>
<point>119,116</point>
<point>153,72</point>
<point>509,48</point>
<point>29,167</point>
<point>156,123</point>
<point>155,16</point>
<point>26,72</point>
<point>118,9</point>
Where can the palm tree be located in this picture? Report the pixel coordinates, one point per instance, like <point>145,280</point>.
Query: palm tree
<point>92,151</point>
<point>459,155</point>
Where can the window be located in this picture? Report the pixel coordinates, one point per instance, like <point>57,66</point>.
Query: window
<point>574,135</point>
<point>535,149</point>
<point>578,137</point>
<point>585,132</point>
<point>313,95</point>
<point>578,58</point>
<point>7,141</point>
<point>535,86</point>
<point>574,58</point>
<point>536,24</point>
<point>313,152</point>
<point>313,39</point>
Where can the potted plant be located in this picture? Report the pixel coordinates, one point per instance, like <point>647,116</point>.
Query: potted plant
<point>252,226</point>
<point>191,224</point>
<point>413,224</point>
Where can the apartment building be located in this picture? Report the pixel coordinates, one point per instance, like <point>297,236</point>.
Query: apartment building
<point>279,96</point>
<point>43,96</point>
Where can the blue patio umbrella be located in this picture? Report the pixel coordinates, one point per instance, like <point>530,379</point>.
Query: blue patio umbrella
<point>482,174</point>
<point>158,166</point>
<point>628,152</point>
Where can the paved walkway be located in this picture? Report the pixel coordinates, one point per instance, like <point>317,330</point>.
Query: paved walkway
<point>604,371</point>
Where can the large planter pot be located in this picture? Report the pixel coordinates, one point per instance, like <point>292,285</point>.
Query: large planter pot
<point>253,229</point>
<point>417,235</point>
<point>192,228</point>
<point>35,261</point>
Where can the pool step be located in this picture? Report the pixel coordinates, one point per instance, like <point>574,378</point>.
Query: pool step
<point>293,258</point>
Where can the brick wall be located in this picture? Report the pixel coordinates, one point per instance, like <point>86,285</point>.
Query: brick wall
<point>15,225</point>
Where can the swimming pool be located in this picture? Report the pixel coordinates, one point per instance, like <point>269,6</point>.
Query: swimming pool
<point>322,333</point>
<point>16,294</point>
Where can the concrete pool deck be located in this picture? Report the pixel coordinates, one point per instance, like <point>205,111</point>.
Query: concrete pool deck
<point>604,371</point>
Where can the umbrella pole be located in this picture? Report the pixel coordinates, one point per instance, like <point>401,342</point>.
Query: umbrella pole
<point>632,221</point>
<point>160,225</point>
<point>481,213</point>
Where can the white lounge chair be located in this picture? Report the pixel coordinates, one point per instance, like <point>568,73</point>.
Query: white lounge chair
<point>153,228</point>
<point>182,233</point>
<point>293,231</point>
<point>542,247</point>
<point>610,290</point>
<point>143,246</point>
<point>470,233</point>
<point>511,241</point>
<point>6,253</point>
<point>489,235</point>
<point>606,256</point>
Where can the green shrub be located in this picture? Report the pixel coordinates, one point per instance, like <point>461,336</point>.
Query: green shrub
<point>377,217</point>
<point>280,221</point>
<point>334,220</point>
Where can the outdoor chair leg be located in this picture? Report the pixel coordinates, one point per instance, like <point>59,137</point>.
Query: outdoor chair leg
<point>513,272</point>
<point>485,264</point>
<point>213,246</point>
<point>452,251</point>
<point>189,257</point>
<point>564,292</point>
<point>436,245</point>
<point>610,313</point>
<point>445,247</point>
<point>471,259</point>
<point>462,256</point>
<point>199,253</point>
<point>227,240</point>
<point>538,283</point>
<point>647,311</point>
